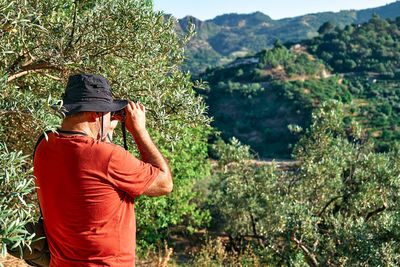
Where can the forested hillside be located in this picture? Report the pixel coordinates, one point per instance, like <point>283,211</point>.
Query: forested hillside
<point>371,47</point>
<point>259,98</point>
<point>225,37</point>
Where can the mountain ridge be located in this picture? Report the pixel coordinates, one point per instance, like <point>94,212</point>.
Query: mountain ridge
<point>367,10</point>
<point>221,39</point>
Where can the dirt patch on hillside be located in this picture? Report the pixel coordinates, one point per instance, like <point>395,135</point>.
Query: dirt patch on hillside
<point>11,261</point>
<point>376,133</point>
<point>280,74</point>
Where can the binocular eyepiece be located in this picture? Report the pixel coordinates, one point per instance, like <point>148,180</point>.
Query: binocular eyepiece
<point>119,114</point>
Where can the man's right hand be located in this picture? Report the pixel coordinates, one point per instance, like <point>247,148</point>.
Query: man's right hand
<point>135,121</point>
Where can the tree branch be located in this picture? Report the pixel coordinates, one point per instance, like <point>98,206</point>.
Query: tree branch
<point>32,58</point>
<point>50,76</point>
<point>20,74</point>
<point>303,247</point>
<point>281,255</point>
<point>71,38</point>
<point>23,73</point>
<point>260,237</point>
<point>373,213</point>
<point>14,113</point>
<point>36,68</point>
<point>17,61</point>
<point>8,113</point>
<point>327,205</point>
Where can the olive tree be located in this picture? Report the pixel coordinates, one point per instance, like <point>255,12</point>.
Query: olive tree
<point>338,207</point>
<point>138,50</point>
<point>345,196</point>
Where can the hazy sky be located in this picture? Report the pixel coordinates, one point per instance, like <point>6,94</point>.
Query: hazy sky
<point>276,9</point>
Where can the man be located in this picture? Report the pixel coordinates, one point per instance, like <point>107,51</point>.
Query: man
<point>87,186</point>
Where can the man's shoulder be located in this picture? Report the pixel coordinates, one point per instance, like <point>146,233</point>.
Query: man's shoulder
<point>85,143</point>
<point>113,152</point>
<point>113,148</point>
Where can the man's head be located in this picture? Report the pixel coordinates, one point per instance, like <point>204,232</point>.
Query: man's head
<point>88,98</point>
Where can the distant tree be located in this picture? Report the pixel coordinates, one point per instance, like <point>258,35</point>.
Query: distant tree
<point>257,74</point>
<point>326,27</point>
<point>349,29</point>
<point>278,43</point>
<point>378,22</point>
<point>386,109</point>
<point>350,64</point>
<point>239,73</point>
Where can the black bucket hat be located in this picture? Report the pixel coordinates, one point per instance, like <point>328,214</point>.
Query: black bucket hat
<point>89,92</point>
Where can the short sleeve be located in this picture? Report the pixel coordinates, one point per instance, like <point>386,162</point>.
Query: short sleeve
<point>130,174</point>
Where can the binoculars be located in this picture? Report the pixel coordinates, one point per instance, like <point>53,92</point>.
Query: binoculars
<point>119,114</point>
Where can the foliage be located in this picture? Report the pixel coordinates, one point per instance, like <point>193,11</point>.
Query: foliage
<point>326,27</point>
<point>281,89</point>
<point>290,63</point>
<point>246,90</point>
<point>349,193</point>
<point>256,115</point>
<point>137,49</point>
<point>368,54</point>
<point>371,46</point>
<point>338,207</point>
<point>16,183</point>
<point>240,192</point>
<point>24,116</point>
<point>306,93</point>
<point>274,57</point>
<point>193,59</point>
<point>180,207</point>
<point>377,109</point>
<point>213,253</point>
<point>293,82</point>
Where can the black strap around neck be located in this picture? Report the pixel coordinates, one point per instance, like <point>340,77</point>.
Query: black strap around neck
<point>72,132</point>
<point>108,136</point>
<point>124,134</point>
<point>43,135</point>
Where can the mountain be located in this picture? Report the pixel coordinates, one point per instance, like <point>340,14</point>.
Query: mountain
<point>220,40</point>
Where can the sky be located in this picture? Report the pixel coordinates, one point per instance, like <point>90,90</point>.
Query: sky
<point>276,9</point>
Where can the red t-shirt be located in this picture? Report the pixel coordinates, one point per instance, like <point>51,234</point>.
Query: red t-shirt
<point>86,191</point>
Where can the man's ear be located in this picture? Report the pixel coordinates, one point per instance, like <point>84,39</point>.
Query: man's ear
<point>93,116</point>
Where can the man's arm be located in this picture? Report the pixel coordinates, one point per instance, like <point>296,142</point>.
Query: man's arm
<point>136,125</point>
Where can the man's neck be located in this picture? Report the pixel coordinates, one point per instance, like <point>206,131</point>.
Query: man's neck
<point>82,127</point>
